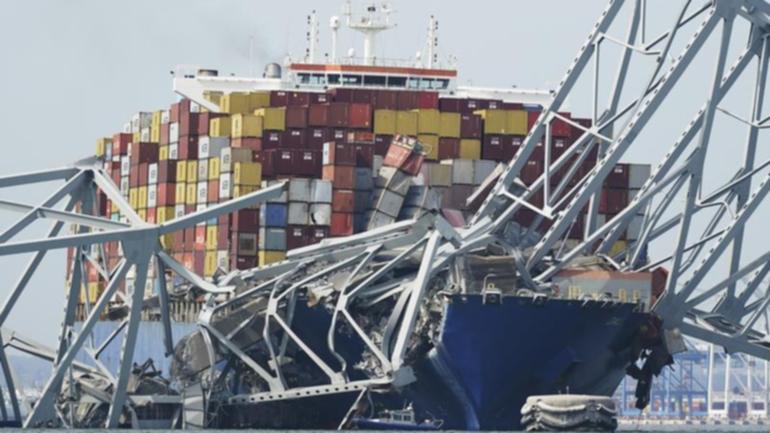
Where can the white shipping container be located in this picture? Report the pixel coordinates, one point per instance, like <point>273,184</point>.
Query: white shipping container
<point>179,211</point>
<point>203,169</point>
<point>377,164</point>
<point>638,175</point>
<point>124,186</point>
<point>203,147</point>
<point>225,185</point>
<point>297,214</point>
<point>482,168</point>
<point>173,151</point>
<point>389,203</point>
<point>173,132</point>
<point>152,196</point>
<point>379,219</point>
<point>299,190</point>
<point>141,120</point>
<point>320,214</point>
<point>165,116</point>
<point>320,191</point>
<point>203,192</point>
<point>152,173</point>
<point>144,135</point>
<point>634,229</point>
<point>125,165</point>
<point>223,260</point>
<point>283,198</point>
<point>462,171</point>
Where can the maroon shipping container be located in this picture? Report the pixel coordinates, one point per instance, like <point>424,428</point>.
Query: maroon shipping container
<point>385,100</point>
<point>283,161</point>
<point>116,176</point>
<point>223,236</point>
<point>272,140</point>
<point>319,98</point>
<point>339,135</point>
<point>470,105</point>
<point>120,143</point>
<point>199,262</point>
<point>618,177</point>
<point>531,171</point>
<point>243,262</point>
<point>407,99</point>
<point>493,147</point>
<point>245,221</point>
<point>188,124</point>
<point>188,147</point>
<point>316,234</point>
<point>318,115</point>
<point>361,96</point>
<point>173,115</point>
<point>559,145</point>
<point>295,237</point>
<point>342,95</point>
<point>266,158</point>
<point>213,191</point>
<point>343,200</point>
<point>560,128</point>
<point>413,164</point>
<point>133,176</point>
<point>252,143</point>
<point>166,194</point>
<point>511,106</point>
<point>381,144</point>
<point>298,99</point>
<point>341,176</point>
<point>296,116</point>
<point>427,100</point>
<point>613,200</point>
<point>532,117</point>
<point>166,171</point>
<point>164,134</point>
<point>364,154</point>
<point>144,153</point>
<point>307,163</point>
<point>293,138</point>
<point>470,126</point>
<point>494,104</point>
<point>279,98</point>
<point>360,137</point>
<point>189,238</point>
<point>316,137</point>
<point>360,116</point>
<point>341,224</point>
<point>448,148</point>
<point>204,119</point>
<point>177,239</point>
<point>339,114</point>
<point>335,153</point>
<point>185,107</point>
<point>515,144</point>
<point>449,105</point>
<point>396,155</point>
<point>142,174</point>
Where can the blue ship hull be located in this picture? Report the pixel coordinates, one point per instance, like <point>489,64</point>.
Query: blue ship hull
<point>488,359</point>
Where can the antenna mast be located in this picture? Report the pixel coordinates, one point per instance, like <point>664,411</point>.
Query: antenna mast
<point>375,20</point>
<point>312,37</point>
<point>432,41</point>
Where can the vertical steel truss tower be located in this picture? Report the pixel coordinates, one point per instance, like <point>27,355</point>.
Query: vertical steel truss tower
<point>706,222</point>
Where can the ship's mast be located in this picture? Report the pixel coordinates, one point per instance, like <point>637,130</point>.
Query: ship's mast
<point>432,41</point>
<point>375,20</point>
<point>312,37</point>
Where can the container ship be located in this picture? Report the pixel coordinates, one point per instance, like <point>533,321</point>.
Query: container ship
<point>363,144</point>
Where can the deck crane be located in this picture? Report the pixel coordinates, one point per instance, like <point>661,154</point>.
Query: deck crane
<point>706,231</point>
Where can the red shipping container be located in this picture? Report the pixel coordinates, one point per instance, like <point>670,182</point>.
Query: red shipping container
<point>245,221</point>
<point>213,191</point>
<point>316,137</point>
<point>343,200</point>
<point>382,143</point>
<point>120,143</point>
<point>166,194</point>
<point>166,171</point>
<point>150,215</point>
<point>188,124</point>
<point>279,98</point>
<point>199,261</point>
<point>173,115</point>
<point>493,147</point>
<point>298,99</point>
<point>339,114</point>
<point>164,134</point>
<point>532,117</point>
<point>618,177</point>
<point>252,143</point>
<point>319,98</point>
<point>360,116</point>
<point>342,95</point>
<point>199,243</point>
<point>283,161</point>
<point>360,137</point>
<point>448,148</point>
<point>177,241</point>
<point>188,147</point>
<point>560,128</point>
<point>144,153</point>
<point>296,116</point>
<point>223,236</point>
<point>294,138</point>
<point>364,155</point>
<point>413,164</point>
<point>189,238</point>
<point>396,156</point>
<point>307,163</point>
<point>204,119</point>
<point>116,177</point>
<point>341,224</point>
<point>272,140</point>
<point>341,176</point>
<point>385,100</point>
<point>318,115</point>
<point>185,107</point>
<point>470,126</point>
<point>407,100</point>
<point>335,153</point>
<point>427,100</point>
<point>142,174</point>
<point>295,237</point>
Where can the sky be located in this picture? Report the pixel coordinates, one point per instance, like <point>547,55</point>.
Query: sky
<point>77,70</point>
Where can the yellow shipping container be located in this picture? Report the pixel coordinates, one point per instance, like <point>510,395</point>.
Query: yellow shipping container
<point>192,171</point>
<point>181,171</point>
<point>181,190</point>
<point>155,134</point>
<point>470,149</point>
<point>385,122</point>
<point>234,103</point>
<point>618,247</point>
<point>133,198</point>
<point>495,121</point>
<point>517,122</point>
<point>241,190</point>
<point>430,145</point>
<point>258,100</point>
<point>268,257</point>
<point>246,125</point>
<point>247,173</point>
<point>210,264</point>
<point>220,127</point>
<point>142,214</point>
<point>406,123</point>
<point>94,291</point>
<point>115,209</point>
<point>428,121</point>
<point>191,193</point>
<point>163,214</point>
<point>213,96</point>
<point>163,153</point>
<point>167,241</point>
<point>155,122</point>
<point>101,145</point>
<point>274,118</point>
<point>135,137</point>
<point>142,197</point>
<point>214,165</point>
<point>450,125</point>
<point>211,238</point>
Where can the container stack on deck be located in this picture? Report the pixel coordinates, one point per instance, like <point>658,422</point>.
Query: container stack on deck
<point>357,159</point>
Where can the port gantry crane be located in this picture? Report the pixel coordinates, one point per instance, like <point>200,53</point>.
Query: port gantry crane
<point>714,225</point>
